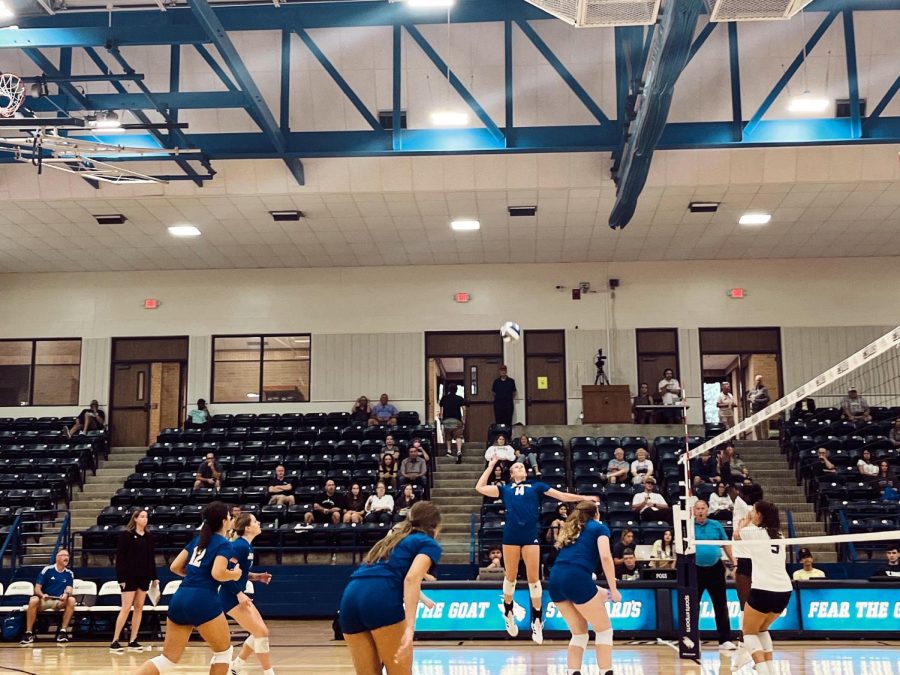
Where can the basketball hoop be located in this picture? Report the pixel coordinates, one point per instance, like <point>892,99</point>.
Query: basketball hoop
<point>12,94</point>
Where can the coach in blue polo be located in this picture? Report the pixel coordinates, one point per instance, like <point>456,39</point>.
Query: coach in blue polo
<point>711,571</point>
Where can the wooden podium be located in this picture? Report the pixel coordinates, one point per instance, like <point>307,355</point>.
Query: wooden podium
<point>606,404</point>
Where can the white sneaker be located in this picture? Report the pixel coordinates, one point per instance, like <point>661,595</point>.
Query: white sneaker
<point>537,631</point>
<point>511,626</point>
<point>741,658</point>
<point>235,669</point>
<point>727,646</point>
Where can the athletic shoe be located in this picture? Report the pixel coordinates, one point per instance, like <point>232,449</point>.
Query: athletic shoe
<point>459,457</point>
<point>537,631</point>
<point>62,638</point>
<point>135,646</point>
<point>449,452</point>
<point>511,626</point>
<point>742,658</point>
<point>27,640</point>
<point>236,669</point>
<point>727,646</point>
<point>116,648</point>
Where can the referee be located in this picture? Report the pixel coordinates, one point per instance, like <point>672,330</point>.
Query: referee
<point>711,571</point>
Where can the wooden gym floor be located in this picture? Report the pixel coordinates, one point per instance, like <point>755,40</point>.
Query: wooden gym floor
<point>306,647</point>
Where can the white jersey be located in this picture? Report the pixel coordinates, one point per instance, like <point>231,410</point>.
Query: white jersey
<point>741,509</point>
<point>769,569</point>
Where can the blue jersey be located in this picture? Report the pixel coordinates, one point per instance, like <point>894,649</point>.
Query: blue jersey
<point>200,563</point>
<point>583,551</point>
<point>401,558</point>
<point>241,554</point>
<point>523,503</point>
<point>53,582</point>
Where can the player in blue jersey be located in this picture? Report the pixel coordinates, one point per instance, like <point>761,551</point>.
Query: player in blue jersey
<point>583,541</point>
<point>204,565</point>
<point>521,537</point>
<point>379,605</point>
<point>238,605</point>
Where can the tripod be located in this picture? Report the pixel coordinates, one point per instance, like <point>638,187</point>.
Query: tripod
<point>601,376</point>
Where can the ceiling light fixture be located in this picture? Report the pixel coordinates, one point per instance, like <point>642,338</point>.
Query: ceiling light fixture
<point>184,231</point>
<point>755,219</point>
<point>252,394</point>
<point>465,225</point>
<point>106,121</point>
<point>807,103</point>
<point>449,118</point>
<point>442,4</point>
<point>6,11</point>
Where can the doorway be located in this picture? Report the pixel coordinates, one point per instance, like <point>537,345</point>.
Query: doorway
<point>545,377</point>
<point>149,388</point>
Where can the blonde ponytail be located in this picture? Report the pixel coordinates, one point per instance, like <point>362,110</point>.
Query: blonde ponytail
<point>571,529</point>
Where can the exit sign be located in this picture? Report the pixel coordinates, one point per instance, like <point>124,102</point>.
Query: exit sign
<point>151,303</point>
<point>736,293</point>
<point>462,297</point>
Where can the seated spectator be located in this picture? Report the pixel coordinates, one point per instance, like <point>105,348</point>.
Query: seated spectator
<point>355,505</point>
<point>52,592</point>
<point>641,467</point>
<point>498,479</point>
<point>643,398</point>
<point>387,470</point>
<point>405,501</point>
<point>417,444</point>
<point>327,507</point>
<point>361,411</point>
<point>650,505</point>
<point>562,512</point>
<point>89,419</point>
<point>721,505</point>
<point>865,465</point>
<point>807,572</point>
<point>731,467</point>
<point>823,465</point>
<point>526,454</point>
<point>886,476</point>
<point>892,569</point>
<point>854,407</point>
<point>413,469</point>
<point>628,570</point>
<point>705,469</point>
<point>379,507</point>
<point>383,412</point>
<point>495,557</point>
<point>662,555</point>
<point>199,417</point>
<point>236,510</point>
<point>452,420</point>
<point>209,473</point>
<point>500,450</point>
<point>889,493</point>
<point>281,489</point>
<point>391,447</point>
<point>494,568</point>
<point>894,434</point>
<point>618,469</point>
<point>626,541</point>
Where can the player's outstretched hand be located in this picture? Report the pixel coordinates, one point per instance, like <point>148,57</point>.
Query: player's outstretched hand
<point>264,577</point>
<point>615,596</point>
<point>405,649</point>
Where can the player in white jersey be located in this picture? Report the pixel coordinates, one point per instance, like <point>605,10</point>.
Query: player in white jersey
<point>748,495</point>
<point>770,586</point>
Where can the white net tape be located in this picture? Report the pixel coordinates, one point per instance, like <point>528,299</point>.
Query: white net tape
<point>12,94</point>
<point>892,535</point>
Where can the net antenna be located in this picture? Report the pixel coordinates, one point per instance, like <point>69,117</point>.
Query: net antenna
<point>12,94</point>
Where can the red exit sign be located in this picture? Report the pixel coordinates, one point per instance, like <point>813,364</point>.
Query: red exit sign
<point>462,297</point>
<point>736,293</point>
<point>151,303</point>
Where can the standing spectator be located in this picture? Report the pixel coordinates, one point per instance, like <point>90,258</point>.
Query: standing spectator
<point>807,572</point>
<point>892,569</point>
<point>670,391</point>
<point>379,507</point>
<point>391,447</point>
<point>650,505</point>
<point>759,399</point>
<point>721,505</point>
<point>628,570</point>
<point>662,555</point>
<point>865,466</point>
<point>413,469</point>
<point>641,467</point>
<point>361,411</point>
<point>562,512</point>
<point>626,541</point>
<point>52,592</point>
<point>453,420</point>
<point>355,505</point>
<point>504,389</point>
<point>726,405</point>
<point>327,507</point>
<point>705,469</point>
<point>618,468</point>
<point>854,407</point>
<point>711,571</point>
<point>135,572</point>
<point>91,418</point>
<point>199,417</point>
<point>526,454</point>
<point>387,470</point>
<point>209,473</point>
<point>405,501</point>
<point>894,434</point>
<point>643,398</point>
<point>384,412</point>
<point>280,489</point>
<point>823,465</point>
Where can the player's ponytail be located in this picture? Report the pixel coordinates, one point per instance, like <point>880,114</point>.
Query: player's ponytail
<point>240,525</point>
<point>769,519</point>
<point>423,517</point>
<point>214,515</point>
<point>571,529</point>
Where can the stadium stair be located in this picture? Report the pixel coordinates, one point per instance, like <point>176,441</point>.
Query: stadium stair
<point>454,492</point>
<point>111,474</point>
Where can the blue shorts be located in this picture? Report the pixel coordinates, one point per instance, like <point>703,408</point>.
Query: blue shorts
<point>370,603</point>
<point>572,583</point>
<point>194,606</point>
<point>521,536</point>
<point>228,600</point>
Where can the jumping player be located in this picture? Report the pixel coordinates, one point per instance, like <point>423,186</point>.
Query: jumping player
<point>522,500</point>
<point>379,605</point>
<point>747,497</point>
<point>770,587</point>
<point>204,565</point>
<point>236,603</point>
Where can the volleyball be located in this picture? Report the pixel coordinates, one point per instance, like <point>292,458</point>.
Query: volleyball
<point>510,331</point>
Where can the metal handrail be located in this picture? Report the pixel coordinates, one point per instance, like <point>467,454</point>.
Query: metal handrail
<point>472,545</point>
<point>12,539</point>
<point>62,539</point>
<point>792,533</point>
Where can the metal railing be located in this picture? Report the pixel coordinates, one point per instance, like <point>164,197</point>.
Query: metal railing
<point>845,529</point>
<point>11,543</point>
<point>792,533</point>
<point>65,539</point>
<point>473,549</point>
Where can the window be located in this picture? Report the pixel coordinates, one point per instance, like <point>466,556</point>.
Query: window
<point>252,368</point>
<point>657,349</point>
<point>39,372</point>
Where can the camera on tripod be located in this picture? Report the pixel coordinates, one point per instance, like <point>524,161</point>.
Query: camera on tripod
<point>600,362</point>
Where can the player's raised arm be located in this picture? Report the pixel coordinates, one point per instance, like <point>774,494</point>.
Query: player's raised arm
<point>482,487</point>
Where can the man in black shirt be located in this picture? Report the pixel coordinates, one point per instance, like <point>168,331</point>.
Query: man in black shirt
<point>891,572</point>
<point>643,398</point>
<point>504,389</point>
<point>281,490</point>
<point>328,506</point>
<point>628,570</point>
<point>209,473</point>
<point>452,420</point>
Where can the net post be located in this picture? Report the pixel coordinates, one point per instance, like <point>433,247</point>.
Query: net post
<point>686,568</point>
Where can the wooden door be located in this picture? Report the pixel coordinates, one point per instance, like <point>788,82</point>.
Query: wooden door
<point>129,410</point>
<point>480,373</point>
<point>545,377</point>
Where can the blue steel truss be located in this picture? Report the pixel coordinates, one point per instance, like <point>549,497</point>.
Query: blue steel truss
<point>204,27</point>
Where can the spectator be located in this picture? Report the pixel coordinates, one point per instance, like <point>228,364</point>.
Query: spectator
<point>494,567</point>
<point>759,399</point>
<point>626,541</point>
<point>865,466</point>
<point>383,412</point>
<point>628,570</point>
<point>711,572</point>
<point>854,407</point>
<point>52,591</point>
<point>894,434</point>
<point>562,512</point>
<point>705,469</point>
<point>453,420</point>
<point>495,557</point>
<point>380,506</point>
<point>497,480</point>
<point>641,467</point>
<point>199,417</point>
<point>413,469</point>
<point>662,555</point>
<point>886,476</point>
<point>648,504</point>
<point>803,407</point>
<point>236,510</point>
<point>503,452</point>
<point>729,467</point>
<point>526,454</point>
<point>361,411</point>
<point>726,405</point>
<point>807,572</point>
<point>618,469</point>
<point>423,453</point>
<point>209,473</point>
<point>391,447</point>
<point>327,507</point>
<point>89,419</point>
<point>405,501</point>
<point>135,572</point>
<point>823,465</point>
<point>504,390</point>
<point>280,489</point>
<point>643,398</point>
<point>387,470</point>
<point>670,390</point>
<point>892,569</point>
<point>355,506</point>
<point>721,505</point>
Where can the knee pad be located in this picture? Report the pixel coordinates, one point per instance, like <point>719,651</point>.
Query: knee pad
<point>535,590</point>
<point>580,640</point>
<point>753,643</point>
<point>509,587</point>
<point>262,645</point>
<point>766,641</point>
<point>604,637</point>
<point>250,642</point>
<point>222,657</point>
<point>162,664</point>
